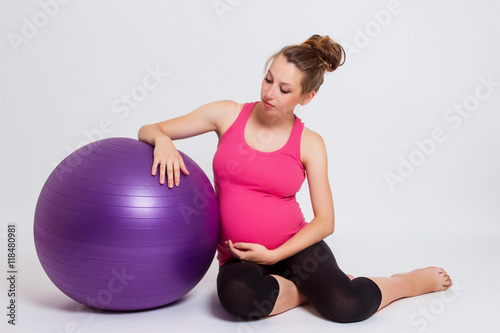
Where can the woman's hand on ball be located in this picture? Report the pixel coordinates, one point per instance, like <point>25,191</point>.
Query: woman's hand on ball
<point>170,162</point>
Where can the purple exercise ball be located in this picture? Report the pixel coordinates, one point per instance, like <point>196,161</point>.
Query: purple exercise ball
<point>108,235</point>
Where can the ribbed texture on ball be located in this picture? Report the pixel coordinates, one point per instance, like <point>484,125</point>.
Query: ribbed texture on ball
<point>110,236</point>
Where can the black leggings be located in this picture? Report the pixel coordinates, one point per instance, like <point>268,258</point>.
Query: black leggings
<point>249,291</point>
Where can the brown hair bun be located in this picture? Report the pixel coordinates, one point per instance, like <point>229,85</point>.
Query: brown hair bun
<point>331,54</point>
<point>314,57</point>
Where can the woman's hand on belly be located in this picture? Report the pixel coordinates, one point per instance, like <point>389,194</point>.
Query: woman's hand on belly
<point>251,252</point>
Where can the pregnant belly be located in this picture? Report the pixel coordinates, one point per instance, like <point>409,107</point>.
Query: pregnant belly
<point>268,222</point>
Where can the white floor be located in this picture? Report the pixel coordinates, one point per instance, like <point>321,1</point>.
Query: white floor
<point>472,305</point>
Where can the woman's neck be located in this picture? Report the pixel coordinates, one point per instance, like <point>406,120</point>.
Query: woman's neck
<point>275,120</point>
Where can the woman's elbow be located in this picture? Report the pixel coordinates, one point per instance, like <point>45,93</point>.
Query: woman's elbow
<point>141,134</point>
<point>147,133</point>
<point>331,227</point>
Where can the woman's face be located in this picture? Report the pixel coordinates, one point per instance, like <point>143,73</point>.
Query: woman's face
<point>281,88</point>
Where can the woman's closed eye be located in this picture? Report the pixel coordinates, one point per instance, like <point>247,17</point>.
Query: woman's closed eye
<point>281,89</point>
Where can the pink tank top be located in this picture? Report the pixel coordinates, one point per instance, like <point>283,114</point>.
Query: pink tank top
<point>256,190</point>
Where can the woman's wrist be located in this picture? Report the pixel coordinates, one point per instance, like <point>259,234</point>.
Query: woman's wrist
<point>161,138</point>
<point>277,255</point>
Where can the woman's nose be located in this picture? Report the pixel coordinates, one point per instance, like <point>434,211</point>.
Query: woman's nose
<point>270,93</point>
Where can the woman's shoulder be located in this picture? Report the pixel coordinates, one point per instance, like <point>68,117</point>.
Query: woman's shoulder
<point>226,107</point>
<point>312,145</point>
<point>222,105</point>
<point>222,113</point>
<point>310,137</point>
<point>218,110</point>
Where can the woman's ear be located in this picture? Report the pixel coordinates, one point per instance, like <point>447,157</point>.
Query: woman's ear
<point>307,98</point>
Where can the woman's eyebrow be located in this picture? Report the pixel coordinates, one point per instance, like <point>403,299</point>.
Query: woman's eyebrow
<point>284,83</point>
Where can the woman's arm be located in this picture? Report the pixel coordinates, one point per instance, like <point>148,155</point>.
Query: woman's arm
<point>216,116</point>
<point>315,161</point>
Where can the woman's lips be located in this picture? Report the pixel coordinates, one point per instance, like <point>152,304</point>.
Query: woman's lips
<point>266,104</point>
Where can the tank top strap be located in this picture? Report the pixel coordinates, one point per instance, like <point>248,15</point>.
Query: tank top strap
<point>296,137</point>
<point>239,123</point>
<point>244,114</point>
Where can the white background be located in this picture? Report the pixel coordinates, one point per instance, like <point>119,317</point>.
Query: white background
<point>66,66</point>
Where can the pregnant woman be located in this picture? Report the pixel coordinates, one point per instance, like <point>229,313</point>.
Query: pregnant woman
<point>271,259</point>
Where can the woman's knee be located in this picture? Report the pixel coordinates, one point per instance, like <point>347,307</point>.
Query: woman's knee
<point>346,314</point>
<point>358,304</point>
<point>248,303</point>
<point>249,296</point>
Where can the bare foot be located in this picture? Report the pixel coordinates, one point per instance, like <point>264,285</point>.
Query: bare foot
<point>427,280</point>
